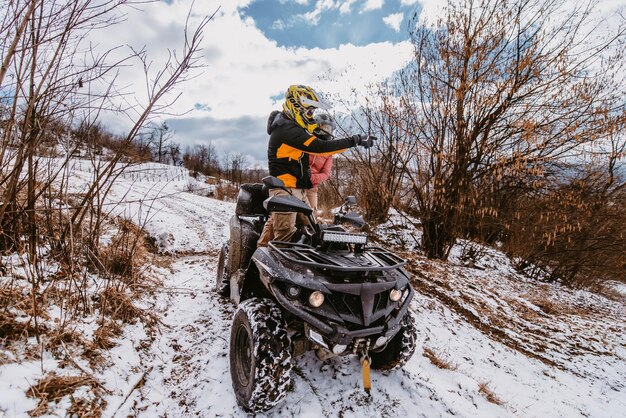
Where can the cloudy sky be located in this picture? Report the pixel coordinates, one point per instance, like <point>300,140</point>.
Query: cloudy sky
<point>254,49</point>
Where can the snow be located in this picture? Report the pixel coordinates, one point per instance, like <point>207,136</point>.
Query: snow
<point>180,367</point>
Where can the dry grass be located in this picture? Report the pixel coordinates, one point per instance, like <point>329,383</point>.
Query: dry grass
<point>104,335</point>
<point>19,298</point>
<point>118,268</point>
<point>12,328</point>
<point>548,306</point>
<point>554,307</point>
<point>126,254</point>
<point>443,362</point>
<point>225,192</point>
<point>53,388</point>
<point>83,408</point>
<point>14,297</point>
<point>61,336</point>
<point>609,291</point>
<point>483,389</point>
<point>118,305</point>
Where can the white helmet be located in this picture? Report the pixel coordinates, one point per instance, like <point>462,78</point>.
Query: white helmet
<point>325,124</point>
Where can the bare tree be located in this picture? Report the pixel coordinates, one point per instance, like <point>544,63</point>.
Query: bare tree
<point>381,172</point>
<point>161,136</point>
<point>51,83</point>
<point>159,85</point>
<point>202,158</point>
<point>238,164</point>
<point>500,90</point>
<point>175,154</point>
<point>41,80</point>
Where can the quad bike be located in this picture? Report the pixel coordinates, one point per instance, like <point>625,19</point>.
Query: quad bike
<point>327,291</point>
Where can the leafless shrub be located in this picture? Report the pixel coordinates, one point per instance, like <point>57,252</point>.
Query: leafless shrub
<point>46,110</point>
<point>573,232</point>
<point>328,194</point>
<point>476,107</point>
<point>471,253</point>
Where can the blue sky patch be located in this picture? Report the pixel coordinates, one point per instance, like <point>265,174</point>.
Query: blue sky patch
<point>202,106</point>
<point>294,24</point>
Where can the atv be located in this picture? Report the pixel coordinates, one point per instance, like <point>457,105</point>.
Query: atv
<point>326,291</point>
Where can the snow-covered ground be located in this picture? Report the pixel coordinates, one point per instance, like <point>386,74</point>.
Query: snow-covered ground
<point>474,322</point>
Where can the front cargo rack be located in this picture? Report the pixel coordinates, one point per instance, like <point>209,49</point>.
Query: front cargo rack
<point>370,259</point>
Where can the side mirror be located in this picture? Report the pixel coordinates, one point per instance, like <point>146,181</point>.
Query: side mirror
<point>354,219</point>
<point>272,182</point>
<point>350,201</point>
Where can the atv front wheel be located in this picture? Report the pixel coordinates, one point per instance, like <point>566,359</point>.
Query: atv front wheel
<point>399,350</point>
<point>222,283</point>
<point>260,355</point>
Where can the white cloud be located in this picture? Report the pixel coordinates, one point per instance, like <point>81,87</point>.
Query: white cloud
<point>346,6</point>
<point>408,2</point>
<point>313,17</point>
<point>394,21</point>
<point>244,69</point>
<point>278,25</point>
<point>431,9</point>
<point>373,5</point>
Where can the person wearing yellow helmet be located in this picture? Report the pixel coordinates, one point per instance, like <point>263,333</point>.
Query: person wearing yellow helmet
<point>292,139</point>
<point>301,105</point>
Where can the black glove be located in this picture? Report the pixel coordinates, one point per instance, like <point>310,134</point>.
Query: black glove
<point>363,140</point>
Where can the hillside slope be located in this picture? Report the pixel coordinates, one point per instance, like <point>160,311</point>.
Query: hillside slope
<point>491,343</point>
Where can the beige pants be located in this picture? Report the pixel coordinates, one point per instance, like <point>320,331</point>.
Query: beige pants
<point>281,225</point>
<point>311,196</point>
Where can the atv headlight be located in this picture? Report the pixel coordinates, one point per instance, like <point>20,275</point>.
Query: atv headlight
<point>344,237</point>
<point>316,299</point>
<point>395,295</point>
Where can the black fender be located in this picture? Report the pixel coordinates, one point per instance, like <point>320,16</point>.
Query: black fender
<point>271,268</point>
<point>252,285</point>
<point>243,238</point>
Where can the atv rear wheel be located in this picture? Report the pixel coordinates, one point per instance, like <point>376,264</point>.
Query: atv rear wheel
<point>222,283</point>
<point>260,355</point>
<point>399,350</point>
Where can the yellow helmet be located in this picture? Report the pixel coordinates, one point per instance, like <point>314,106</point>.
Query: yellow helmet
<point>300,105</point>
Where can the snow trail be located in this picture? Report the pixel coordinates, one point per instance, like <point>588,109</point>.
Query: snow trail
<point>187,365</point>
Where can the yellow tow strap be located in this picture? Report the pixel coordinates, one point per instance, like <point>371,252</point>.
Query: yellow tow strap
<point>367,384</point>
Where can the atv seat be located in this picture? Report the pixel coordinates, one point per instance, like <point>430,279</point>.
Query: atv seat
<point>250,200</point>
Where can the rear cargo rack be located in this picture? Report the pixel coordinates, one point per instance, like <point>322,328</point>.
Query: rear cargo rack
<point>370,259</point>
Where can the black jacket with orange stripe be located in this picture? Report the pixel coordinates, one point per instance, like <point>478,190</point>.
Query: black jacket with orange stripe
<point>289,148</point>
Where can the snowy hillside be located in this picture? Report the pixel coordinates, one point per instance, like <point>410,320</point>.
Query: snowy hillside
<point>491,343</point>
